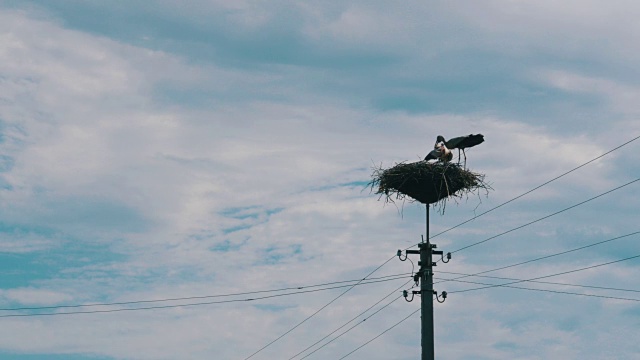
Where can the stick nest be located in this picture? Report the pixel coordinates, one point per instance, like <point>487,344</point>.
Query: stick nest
<point>428,183</point>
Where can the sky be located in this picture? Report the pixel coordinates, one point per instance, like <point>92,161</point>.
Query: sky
<point>161,149</point>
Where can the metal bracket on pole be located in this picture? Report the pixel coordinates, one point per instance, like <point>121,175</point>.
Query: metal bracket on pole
<point>444,296</point>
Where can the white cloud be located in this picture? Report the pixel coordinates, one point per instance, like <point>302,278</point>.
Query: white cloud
<point>23,242</point>
<point>622,98</point>
<point>31,296</point>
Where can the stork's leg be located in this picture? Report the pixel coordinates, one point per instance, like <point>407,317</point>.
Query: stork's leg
<point>465,158</point>
<point>459,157</point>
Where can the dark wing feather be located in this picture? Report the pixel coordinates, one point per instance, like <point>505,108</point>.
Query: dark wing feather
<point>434,154</point>
<point>463,142</point>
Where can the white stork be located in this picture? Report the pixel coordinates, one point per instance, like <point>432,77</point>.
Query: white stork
<point>440,151</point>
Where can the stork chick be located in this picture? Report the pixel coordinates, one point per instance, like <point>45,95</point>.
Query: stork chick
<point>440,151</point>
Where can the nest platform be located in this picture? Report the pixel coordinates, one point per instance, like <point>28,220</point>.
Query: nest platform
<point>428,183</point>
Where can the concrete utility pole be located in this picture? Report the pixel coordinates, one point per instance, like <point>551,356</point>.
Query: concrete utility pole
<point>426,290</point>
<point>425,276</point>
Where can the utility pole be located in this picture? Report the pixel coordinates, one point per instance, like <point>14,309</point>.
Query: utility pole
<point>425,276</point>
<point>426,289</point>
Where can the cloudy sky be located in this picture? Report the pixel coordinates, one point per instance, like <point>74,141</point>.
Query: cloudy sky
<point>161,149</point>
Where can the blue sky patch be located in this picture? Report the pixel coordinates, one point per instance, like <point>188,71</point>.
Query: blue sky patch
<point>273,307</point>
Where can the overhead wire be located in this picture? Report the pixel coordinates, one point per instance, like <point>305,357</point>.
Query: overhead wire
<point>540,282</point>
<point>547,216</point>
<point>198,297</point>
<point>317,311</point>
<point>548,256</point>
<point>382,333</point>
<point>351,328</point>
<point>548,276</point>
<point>194,304</point>
<point>550,291</point>
<point>347,323</point>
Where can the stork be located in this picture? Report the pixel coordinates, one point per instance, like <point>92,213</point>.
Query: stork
<point>463,142</point>
<point>440,151</point>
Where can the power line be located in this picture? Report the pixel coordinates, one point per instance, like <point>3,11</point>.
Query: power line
<point>537,187</point>
<point>549,291</point>
<point>347,323</point>
<point>382,333</point>
<point>200,297</point>
<point>317,311</point>
<point>547,216</point>
<point>541,282</point>
<point>548,256</point>
<point>351,328</point>
<point>547,276</point>
<point>197,304</point>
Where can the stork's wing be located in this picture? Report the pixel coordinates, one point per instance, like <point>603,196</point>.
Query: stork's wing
<point>463,142</point>
<point>433,155</point>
